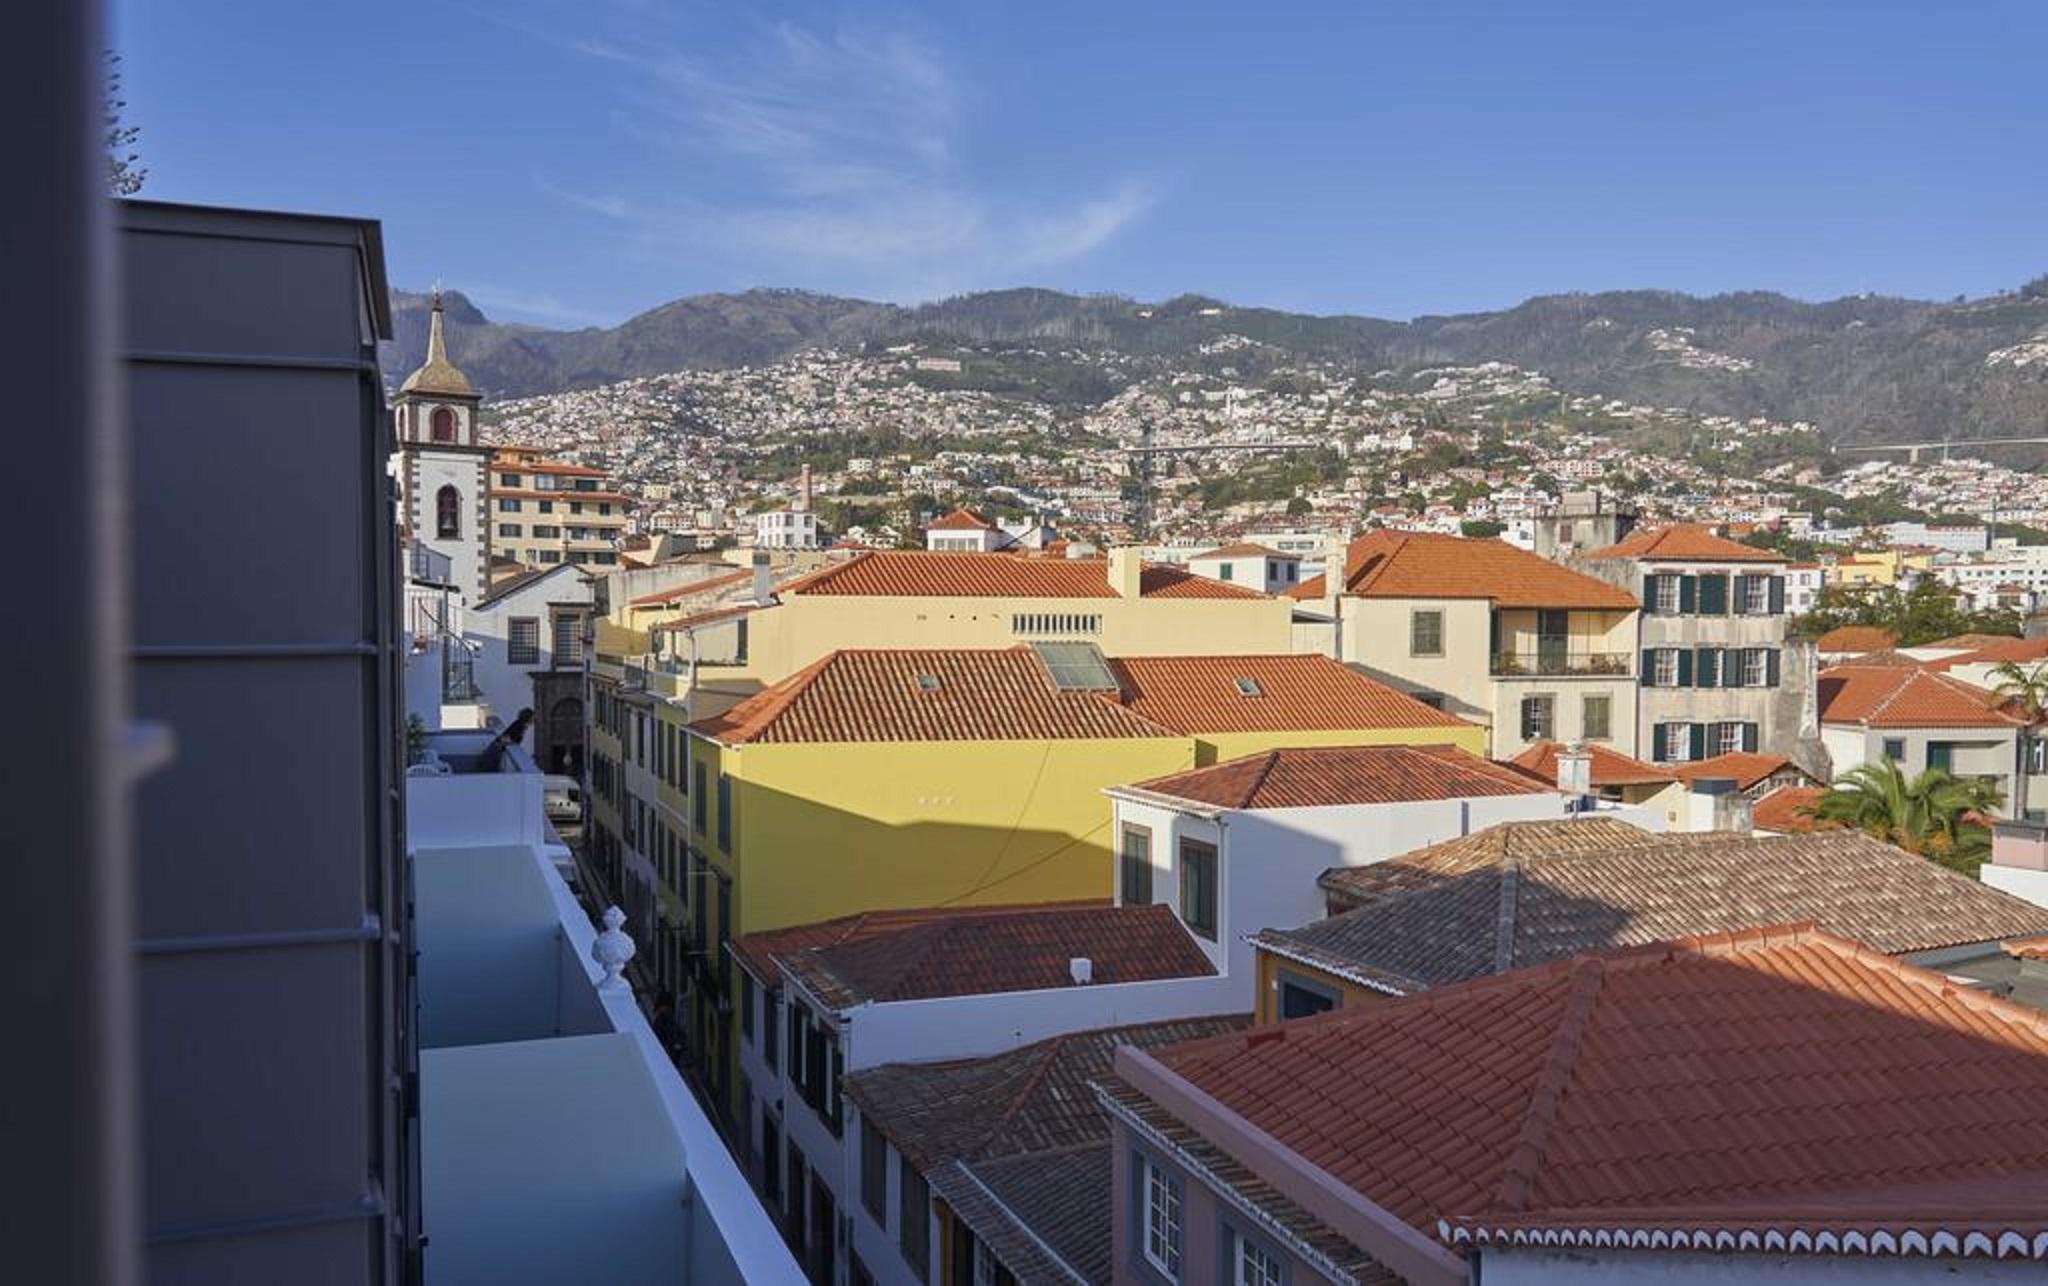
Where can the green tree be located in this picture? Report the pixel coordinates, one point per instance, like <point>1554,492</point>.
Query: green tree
<point>2024,690</point>
<point>124,164</point>
<point>1481,528</point>
<point>1936,814</point>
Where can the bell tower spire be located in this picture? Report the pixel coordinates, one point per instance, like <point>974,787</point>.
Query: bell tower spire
<point>442,466</point>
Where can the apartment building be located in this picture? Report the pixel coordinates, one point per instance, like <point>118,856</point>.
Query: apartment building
<point>1485,631</point>
<point>546,512</point>
<point>1715,677</point>
<point>1494,1131</point>
<point>1919,719</point>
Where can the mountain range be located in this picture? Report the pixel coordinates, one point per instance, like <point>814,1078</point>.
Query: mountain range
<point>1866,368</point>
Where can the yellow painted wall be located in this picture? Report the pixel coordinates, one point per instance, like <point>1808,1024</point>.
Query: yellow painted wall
<point>1266,1008</point>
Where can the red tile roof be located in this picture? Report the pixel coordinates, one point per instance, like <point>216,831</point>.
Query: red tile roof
<point>1411,564</point>
<point>1783,1070</point>
<point>915,573</point>
<point>1685,542</point>
<point>760,951</point>
<point>1610,766</point>
<point>1004,694</point>
<point>1785,810</point>
<point>1747,768</point>
<point>979,952</point>
<point>1325,776</point>
<point>961,520</point>
<point>1856,638</point>
<point>1296,693</point>
<point>1875,696</point>
<point>2004,649</point>
<point>1972,642</point>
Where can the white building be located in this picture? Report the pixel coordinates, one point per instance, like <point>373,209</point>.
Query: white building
<point>442,469</point>
<point>790,528</point>
<point>1253,566</point>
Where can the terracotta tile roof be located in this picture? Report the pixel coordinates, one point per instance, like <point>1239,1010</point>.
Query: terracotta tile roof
<point>2003,649</point>
<point>961,520</point>
<point>1875,696</point>
<point>1045,1215</point>
<point>1856,638</point>
<point>1495,846</point>
<point>1246,550</point>
<point>1309,588</point>
<point>1685,542</point>
<point>915,573</point>
<point>974,953</point>
<point>1410,564</point>
<point>1784,1071</point>
<point>690,589</point>
<point>1326,776</point>
<point>1005,694</point>
<point>1610,766</point>
<point>1467,913</point>
<point>1784,811</point>
<point>704,618</point>
<point>762,950</point>
<point>981,694</point>
<point>1296,692</point>
<point>1747,768</point>
<point>1972,642</point>
<point>1026,1100</point>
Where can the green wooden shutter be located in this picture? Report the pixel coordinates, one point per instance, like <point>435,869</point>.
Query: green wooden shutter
<point>1688,595</point>
<point>1749,737</point>
<point>1660,742</point>
<point>1771,667</point>
<point>1706,672</point>
<point>1684,667</point>
<point>1714,594</point>
<point>1649,674</point>
<point>1699,742</point>
<point>1649,593</point>
<point>1777,595</point>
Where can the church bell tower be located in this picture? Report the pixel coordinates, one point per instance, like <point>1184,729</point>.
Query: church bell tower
<point>443,469</point>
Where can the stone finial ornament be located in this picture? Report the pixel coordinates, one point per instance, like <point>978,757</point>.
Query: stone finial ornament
<point>613,948</point>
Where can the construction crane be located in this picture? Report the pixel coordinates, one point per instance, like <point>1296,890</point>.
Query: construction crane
<point>1913,449</point>
<point>1148,450</point>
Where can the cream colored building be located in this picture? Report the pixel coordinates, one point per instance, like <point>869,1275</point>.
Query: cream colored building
<point>1485,631</point>
<point>545,513</point>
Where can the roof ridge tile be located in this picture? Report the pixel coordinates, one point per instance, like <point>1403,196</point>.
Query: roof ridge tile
<point>1546,1096</point>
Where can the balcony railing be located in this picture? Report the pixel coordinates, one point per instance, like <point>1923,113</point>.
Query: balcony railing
<point>1544,663</point>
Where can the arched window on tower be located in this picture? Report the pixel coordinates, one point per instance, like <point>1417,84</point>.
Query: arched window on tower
<point>448,514</point>
<point>443,421</point>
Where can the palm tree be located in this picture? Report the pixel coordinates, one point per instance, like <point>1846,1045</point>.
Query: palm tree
<point>1938,815</point>
<point>2026,692</point>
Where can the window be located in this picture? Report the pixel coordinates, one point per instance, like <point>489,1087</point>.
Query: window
<point>575,506</point>
<point>1671,742</point>
<point>1596,718</point>
<point>1895,749</point>
<point>1665,596</point>
<point>508,479</point>
<point>1055,623</point>
<point>443,422</point>
<point>771,1158</point>
<point>1664,667</point>
<point>1137,866</point>
<point>1248,688</point>
<point>874,1172</point>
<point>1159,1235</point>
<point>543,531</point>
<point>1727,738</point>
<point>1755,667</point>
<point>1714,594</point>
<point>522,640</point>
<point>508,506</point>
<point>448,514</point>
<point>746,1007</point>
<point>511,530</point>
<point>1756,595</point>
<point>549,555</point>
<point>545,506</point>
<point>1300,998</point>
<point>914,1234</point>
<point>1227,569</point>
<point>697,810</point>
<point>568,640</point>
<point>1426,633</point>
<point>724,813</point>
<point>771,1028</point>
<point>1539,718</point>
<point>1251,1263</point>
<point>1198,887</point>
<point>988,1270</point>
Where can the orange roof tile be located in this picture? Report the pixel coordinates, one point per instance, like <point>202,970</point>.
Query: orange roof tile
<point>916,573</point>
<point>1295,692</point>
<point>1310,588</point>
<point>1877,696</point>
<point>1610,766</point>
<point>1003,694</point>
<point>1785,810</point>
<point>1325,776</point>
<point>2021,651</point>
<point>1747,768</point>
<point>961,520</point>
<point>1408,564</point>
<point>760,951</point>
<point>1971,642</point>
<point>1856,638</point>
<point>1785,1071</point>
<point>1685,542</point>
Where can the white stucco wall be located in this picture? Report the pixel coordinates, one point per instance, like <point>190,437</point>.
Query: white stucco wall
<point>465,552</point>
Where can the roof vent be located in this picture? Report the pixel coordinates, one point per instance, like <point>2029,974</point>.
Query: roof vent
<point>1083,970</point>
<point>1248,688</point>
<point>928,683</point>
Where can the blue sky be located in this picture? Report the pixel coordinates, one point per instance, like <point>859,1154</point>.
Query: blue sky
<point>573,163</point>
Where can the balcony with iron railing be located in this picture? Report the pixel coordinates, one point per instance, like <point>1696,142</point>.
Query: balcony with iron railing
<point>1544,662</point>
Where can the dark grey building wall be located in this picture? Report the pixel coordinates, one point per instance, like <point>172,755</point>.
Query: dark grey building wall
<point>272,921</point>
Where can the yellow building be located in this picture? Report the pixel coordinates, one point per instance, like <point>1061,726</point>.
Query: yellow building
<point>893,778</point>
<point>544,512</point>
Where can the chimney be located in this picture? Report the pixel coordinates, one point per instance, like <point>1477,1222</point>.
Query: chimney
<point>803,490</point>
<point>1126,567</point>
<point>1574,771</point>
<point>761,590</point>
<point>1082,969</point>
<point>1716,805</point>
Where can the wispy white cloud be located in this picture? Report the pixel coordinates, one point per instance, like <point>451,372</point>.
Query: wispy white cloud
<point>530,305</point>
<point>849,146</point>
